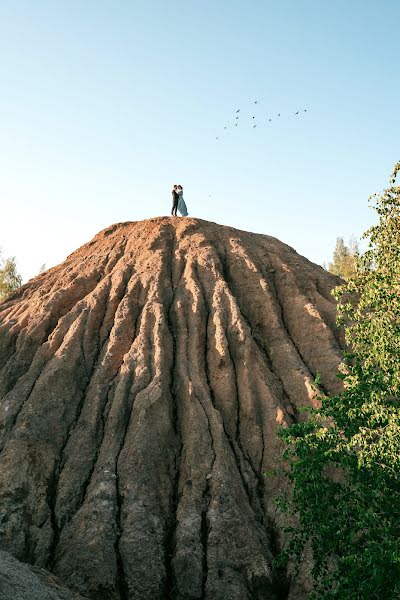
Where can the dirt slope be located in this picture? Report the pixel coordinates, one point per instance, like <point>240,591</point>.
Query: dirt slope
<point>141,384</point>
<point>19,581</point>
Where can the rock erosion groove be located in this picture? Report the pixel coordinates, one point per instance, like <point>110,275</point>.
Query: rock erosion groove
<point>141,385</point>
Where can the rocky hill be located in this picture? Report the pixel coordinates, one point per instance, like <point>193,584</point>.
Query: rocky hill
<point>141,385</point>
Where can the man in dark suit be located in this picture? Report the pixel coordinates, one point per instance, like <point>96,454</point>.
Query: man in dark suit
<point>175,199</point>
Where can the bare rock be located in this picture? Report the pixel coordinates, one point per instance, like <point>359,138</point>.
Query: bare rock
<point>141,385</point>
<point>19,581</point>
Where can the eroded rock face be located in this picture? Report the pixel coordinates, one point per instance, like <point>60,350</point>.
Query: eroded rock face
<point>19,581</point>
<point>141,385</point>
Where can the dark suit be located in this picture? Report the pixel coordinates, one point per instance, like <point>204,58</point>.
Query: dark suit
<point>175,199</point>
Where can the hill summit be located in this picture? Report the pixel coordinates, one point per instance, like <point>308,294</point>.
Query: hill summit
<point>141,385</point>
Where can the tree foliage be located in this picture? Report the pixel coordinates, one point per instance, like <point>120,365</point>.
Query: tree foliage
<point>344,259</point>
<point>10,279</point>
<point>344,461</point>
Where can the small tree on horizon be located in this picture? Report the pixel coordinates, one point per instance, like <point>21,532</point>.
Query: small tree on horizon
<point>344,259</point>
<point>10,279</point>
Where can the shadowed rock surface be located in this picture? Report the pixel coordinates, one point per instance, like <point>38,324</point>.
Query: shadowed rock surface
<point>19,581</point>
<point>141,385</point>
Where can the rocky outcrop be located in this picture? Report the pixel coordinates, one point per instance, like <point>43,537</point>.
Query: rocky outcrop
<point>142,382</point>
<point>19,581</point>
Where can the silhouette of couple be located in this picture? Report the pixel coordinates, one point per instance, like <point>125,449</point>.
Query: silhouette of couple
<point>178,202</point>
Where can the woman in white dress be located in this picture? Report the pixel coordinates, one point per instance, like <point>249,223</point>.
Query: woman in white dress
<point>181,203</point>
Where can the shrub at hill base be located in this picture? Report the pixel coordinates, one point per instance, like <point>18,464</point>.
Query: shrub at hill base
<point>344,462</point>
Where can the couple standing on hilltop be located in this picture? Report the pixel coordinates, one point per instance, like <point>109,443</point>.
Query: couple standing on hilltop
<point>178,202</point>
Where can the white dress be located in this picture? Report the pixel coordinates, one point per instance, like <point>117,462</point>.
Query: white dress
<point>182,205</point>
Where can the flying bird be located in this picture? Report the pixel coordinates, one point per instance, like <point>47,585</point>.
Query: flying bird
<point>254,122</point>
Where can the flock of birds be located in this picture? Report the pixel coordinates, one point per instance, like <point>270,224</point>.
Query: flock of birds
<point>257,121</point>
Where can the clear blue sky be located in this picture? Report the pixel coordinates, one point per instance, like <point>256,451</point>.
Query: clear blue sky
<point>105,104</point>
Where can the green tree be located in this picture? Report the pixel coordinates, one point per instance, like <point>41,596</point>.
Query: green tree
<point>10,279</point>
<point>344,461</point>
<point>344,259</point>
